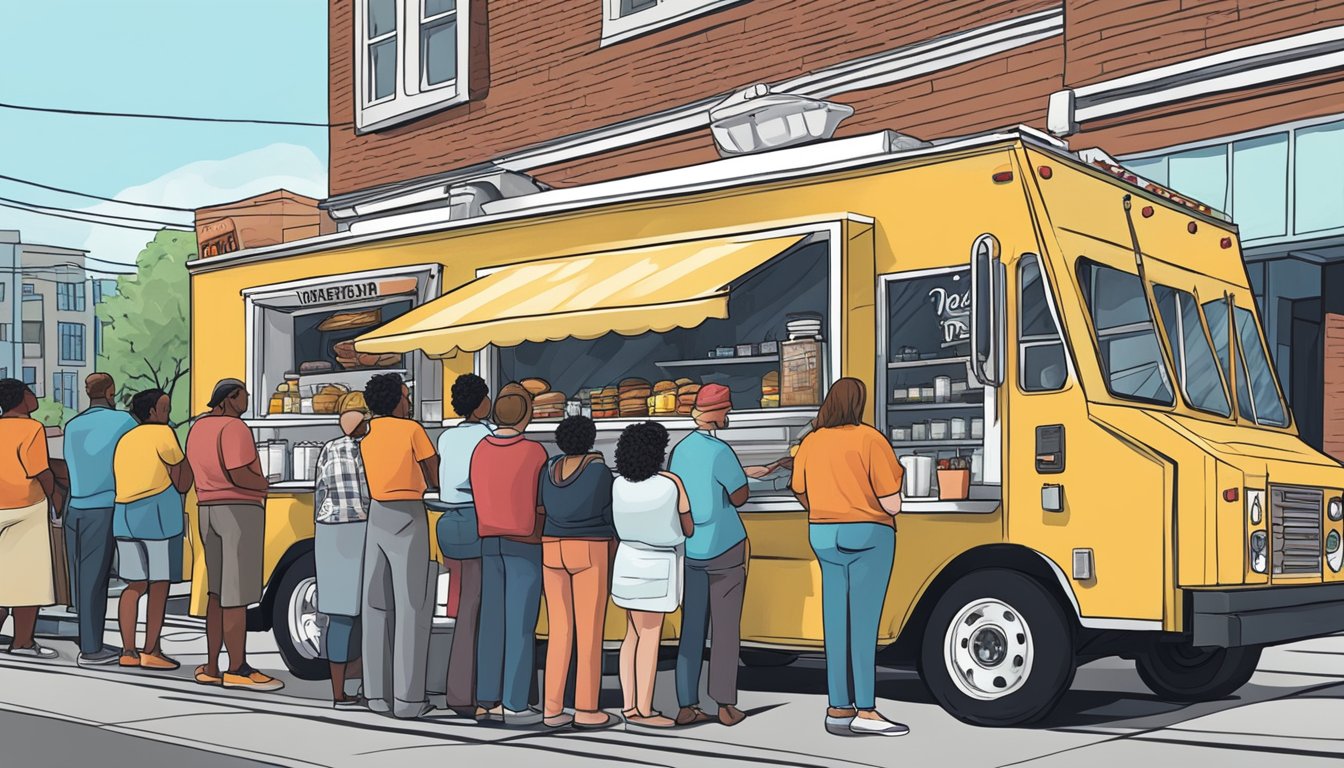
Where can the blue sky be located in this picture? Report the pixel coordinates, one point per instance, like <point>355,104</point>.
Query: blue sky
<point>228,58</point>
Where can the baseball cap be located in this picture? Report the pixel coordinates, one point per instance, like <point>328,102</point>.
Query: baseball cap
<point>223,390</point>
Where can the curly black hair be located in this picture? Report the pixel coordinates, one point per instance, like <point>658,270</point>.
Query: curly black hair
<point>575,435</point>
<point>144,402</point>
<point>640,451</point>
<point>468,392</point>
<point>383,393</point>
<point>12,392</point>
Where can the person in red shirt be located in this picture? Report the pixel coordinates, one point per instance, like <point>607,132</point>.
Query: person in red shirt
<point>231,492</point>
<point>506,469</point>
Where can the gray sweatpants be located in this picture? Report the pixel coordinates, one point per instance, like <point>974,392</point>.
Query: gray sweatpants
<point>398,606</point>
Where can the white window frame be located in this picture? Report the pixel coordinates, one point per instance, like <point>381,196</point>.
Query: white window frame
<point>666,13</point>
<point>412,98</point>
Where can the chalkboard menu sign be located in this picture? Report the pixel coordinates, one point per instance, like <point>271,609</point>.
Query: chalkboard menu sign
<point>929,317</point>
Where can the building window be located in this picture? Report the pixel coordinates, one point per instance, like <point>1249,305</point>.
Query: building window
<point>1318,194</point>
<point>1041,363</point>
<point>30,377</point>
<point>410,59</point>
<point>29,289</point>
<point>1260,186</point>
<point>2,298</point>
<point>72,342</point>
<point>63,389</point>
<point>4,333</point>
<point>623,19</point>
<point>103,289</point>
<point>32,338</point>
<point>70,297</point>
<point>98,331</point>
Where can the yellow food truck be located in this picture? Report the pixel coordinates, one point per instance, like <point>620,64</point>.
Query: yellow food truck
<point>1067,359</point>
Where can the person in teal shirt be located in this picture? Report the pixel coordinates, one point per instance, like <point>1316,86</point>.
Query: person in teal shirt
<point>90,440</point>
<point>716,559</point>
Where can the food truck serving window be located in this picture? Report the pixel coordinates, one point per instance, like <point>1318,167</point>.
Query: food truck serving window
<point>769,351</point>
<point>304,360</point>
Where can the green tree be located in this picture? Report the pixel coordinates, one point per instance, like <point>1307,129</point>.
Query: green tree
<point>146,332</point>
<point>52,413</point>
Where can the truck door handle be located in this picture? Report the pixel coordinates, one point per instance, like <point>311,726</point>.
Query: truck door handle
<point>1050,449</point>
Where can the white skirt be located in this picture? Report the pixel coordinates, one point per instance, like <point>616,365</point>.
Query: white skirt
<point>648,578</point>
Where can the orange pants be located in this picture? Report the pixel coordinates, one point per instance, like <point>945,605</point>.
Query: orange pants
<point>576,577</point>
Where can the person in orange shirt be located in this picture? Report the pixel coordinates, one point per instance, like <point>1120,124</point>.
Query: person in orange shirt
<point>847,477</point>
<point>26,485</point>
<point>400,464</point>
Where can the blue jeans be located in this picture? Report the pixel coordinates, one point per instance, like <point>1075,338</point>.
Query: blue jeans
<point>506,654</point>
<point>856,560</point>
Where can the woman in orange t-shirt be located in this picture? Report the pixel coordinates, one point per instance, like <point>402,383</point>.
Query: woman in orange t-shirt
<point>847,477</point>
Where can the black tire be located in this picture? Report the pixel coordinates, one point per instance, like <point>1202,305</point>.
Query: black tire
<point>765,659</point>
<point>299,663</point>
<point>1182,672</point>
<point>1049,639</point>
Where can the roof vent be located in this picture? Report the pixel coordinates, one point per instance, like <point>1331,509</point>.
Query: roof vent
<point>757,119</point>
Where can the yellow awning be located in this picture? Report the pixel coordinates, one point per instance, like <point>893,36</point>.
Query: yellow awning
<point>630,291</point>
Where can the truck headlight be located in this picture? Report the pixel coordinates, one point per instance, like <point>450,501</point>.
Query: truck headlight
<point>1255,506</point>
<point>1333,554</point>
<point>1335,510</point>
<point>1259,551</point>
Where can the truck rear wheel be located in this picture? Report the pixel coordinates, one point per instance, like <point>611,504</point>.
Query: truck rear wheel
<point>294,621</point>
<point>1183,672</point>
<point>998,649</point>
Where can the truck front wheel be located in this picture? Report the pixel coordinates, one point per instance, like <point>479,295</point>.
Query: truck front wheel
<point>998,649</point>
<point>1183,672</point>
<point>295,623</point>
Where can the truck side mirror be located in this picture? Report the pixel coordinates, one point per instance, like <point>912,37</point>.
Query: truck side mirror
<point>988,322</point>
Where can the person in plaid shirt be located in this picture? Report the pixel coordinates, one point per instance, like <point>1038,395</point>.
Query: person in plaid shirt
<point>342,512</point>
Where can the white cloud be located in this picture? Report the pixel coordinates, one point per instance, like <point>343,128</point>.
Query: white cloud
<point>195,185</point>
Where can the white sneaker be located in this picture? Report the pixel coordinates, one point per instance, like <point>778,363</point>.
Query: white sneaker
<point>839,726</point>
<point>881,727</point>
<point>34,651</point>
<point>521,717</point>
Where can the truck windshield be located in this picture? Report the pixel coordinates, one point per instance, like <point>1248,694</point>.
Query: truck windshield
<point>1196,368</point>
<point>1257,396</point>
<point>1131,359</point>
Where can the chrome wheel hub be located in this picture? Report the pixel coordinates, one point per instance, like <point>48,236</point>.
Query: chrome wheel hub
<point>305,625</point>
<point>988,650</point>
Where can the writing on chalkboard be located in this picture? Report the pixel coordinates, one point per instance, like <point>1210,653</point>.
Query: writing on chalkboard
<point>954,315</point>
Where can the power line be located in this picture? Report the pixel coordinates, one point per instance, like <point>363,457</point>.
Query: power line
<point>183,118</point>
<point>95,213</point>
<point>91,196</point>
<point>89,221</point>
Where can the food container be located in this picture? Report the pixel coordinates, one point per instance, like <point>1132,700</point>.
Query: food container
<point>954,484</point>
<point>432,411</point>
<point>942,389</point>
<point>900,434</point>
<point>723,352</point>
<point>898,396</point>
<point>957,430</point>
<point>918,481</point>
<point>768,348</point>
<point>958,390</point>
<point>938,429</point>
<point>913,394</point>
<point>926,395</point>
<point>977,428</point>
<point>277,404</point>
<point>264,457</point>
<point>305,405</point>
<point>919,430</point>
<point>801,368</point>
<point>745,350</point>
<point>978,467</point>
<point>277,462</point>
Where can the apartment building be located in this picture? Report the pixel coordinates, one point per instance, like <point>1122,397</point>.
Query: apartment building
<point>48,335</point>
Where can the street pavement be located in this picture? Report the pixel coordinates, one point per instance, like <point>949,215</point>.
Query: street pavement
<point>57,714</point>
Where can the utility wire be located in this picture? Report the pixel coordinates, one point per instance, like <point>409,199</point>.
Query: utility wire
<point>95,213</point>
<point>90,221</point>
<point>77,193</point>
<point>183,118</point>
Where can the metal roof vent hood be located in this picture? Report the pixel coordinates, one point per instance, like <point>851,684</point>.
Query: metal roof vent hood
<point>757,119</point>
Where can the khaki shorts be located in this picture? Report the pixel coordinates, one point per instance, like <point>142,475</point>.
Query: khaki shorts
<point>233,536</point>
<point>146,560</point>
<point>25,557</point>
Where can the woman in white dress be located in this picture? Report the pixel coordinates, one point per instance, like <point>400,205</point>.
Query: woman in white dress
<point>653,518</point>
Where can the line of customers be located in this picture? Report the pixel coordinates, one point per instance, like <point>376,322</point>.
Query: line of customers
<point>515,523</point>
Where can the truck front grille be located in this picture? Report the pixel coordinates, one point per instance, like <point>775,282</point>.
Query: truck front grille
<point>1295,516</point>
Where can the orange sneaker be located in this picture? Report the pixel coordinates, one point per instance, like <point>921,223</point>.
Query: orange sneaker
<point>249,678</point>
<point>205,678</point>
<point>131,659</point>
<point>157,662</point>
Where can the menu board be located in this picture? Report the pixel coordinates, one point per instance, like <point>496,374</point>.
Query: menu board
<point>929,317</point>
